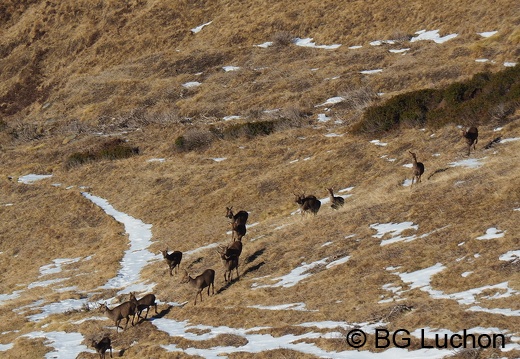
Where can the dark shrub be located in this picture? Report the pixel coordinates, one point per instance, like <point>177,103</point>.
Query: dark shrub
<point>473,101</point>
<point>112,150</point>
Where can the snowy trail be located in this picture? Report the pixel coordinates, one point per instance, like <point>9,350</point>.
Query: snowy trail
<point>136,257</point>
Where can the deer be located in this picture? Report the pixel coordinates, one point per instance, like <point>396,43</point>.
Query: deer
<point>471,136</point>
<point>335,202</point>
<point>418,169</point>
<point>122,311</point>
<point>234,249</point>
<point>308,204</point>
<point>206,279</point>
<point>102,346</point>
<point>238,223</point>
<point>173,259</point>
<point>229,262</point>
<point>144,303</point>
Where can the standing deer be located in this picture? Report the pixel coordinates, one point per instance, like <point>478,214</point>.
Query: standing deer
<point>471,136</point>
<point>206,279</point>
<point>102,346</point>
<point>418,169</point>
<point>234,249</point>
<point>173,259</point>
<point>230,262</point>
<point>122,311</point>
<point>238,223</point>
<point>308,204</point>
<point>335,202</point>
<point>144,303</point>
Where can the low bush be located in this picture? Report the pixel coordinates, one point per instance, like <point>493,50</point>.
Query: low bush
<point>477,100</point>
<point>110,150</point>
<point>194,139</point>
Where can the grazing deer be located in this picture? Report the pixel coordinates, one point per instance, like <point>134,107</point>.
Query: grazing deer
<point>206,279</point>
<point>418,169</point>
<point>308,204</point>
<point>335,202</point>
<point>238,223</point>
<point>144,303</point>
<point>124,310</point>
<point>102,346</point>
<point>471,136</point>
<point>173,259</point>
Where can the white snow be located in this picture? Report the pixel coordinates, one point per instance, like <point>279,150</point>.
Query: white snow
<point>294,277</point>
<point>371,72</point>
<point>191,84</point>
<point>31,178</point>
<point>510,256</point>
<point>379,143</point>
<point>231,68</point>
<point>422,277</point>
<point>292,306</point>
<point>492,233</point>
<point>66,345</point>
<point>136,257</point>
<point>6,347</point>
<point>323,118</point>
<point>432,35</point>
<point>469,163</point>
<point>332,101</point>
<point>307,42</point>
<point>199,28</point>
<point>256,342</point>
<point>394,229</point>
<point>7,297</point>
<point>55,267</point>
<point>487,33</point>
<point>231,117</point>
<point>265,44</point>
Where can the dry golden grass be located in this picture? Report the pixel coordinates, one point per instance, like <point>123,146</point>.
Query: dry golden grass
<point>76,72</point>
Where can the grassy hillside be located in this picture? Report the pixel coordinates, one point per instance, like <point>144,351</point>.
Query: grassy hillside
<point>96,94</point>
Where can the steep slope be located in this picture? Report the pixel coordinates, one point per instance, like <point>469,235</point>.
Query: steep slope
<point>221,117</point>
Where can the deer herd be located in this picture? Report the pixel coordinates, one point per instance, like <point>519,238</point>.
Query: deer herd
<point>230,254</point>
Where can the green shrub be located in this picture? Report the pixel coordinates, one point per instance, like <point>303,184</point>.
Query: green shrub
<point>479,99</point>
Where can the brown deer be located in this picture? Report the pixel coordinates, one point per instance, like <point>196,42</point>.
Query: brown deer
<point>144,303</point>
<point>418,169</point>
<point>471,136</point>
<point>238,223</point>
<point>335,202</point>
<point>234,249</point>
<point>122,311</point>
<point>206,279</point>
<point>173,259</point>
<point>230,262</point>
<point>102,346</point>
<point>308,204</point>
